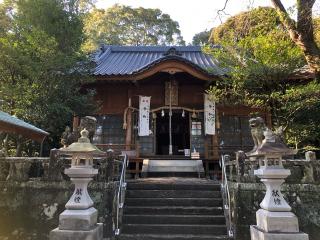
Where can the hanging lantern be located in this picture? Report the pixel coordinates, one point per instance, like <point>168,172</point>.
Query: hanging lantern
<point>154,115</point>
<point>162,113</point>
<point>194,115</point>
<point>183,113</point>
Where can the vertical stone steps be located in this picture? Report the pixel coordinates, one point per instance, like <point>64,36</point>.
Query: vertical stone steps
<point>178,210</point>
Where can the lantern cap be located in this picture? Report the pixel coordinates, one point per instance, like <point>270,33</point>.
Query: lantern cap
<point>83,146</point>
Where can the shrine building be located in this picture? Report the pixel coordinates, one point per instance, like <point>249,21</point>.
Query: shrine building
<point>153,105</point>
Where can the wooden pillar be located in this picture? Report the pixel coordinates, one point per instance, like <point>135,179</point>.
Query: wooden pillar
<point>129,127</point>
<point>215,139</point>
<point>206,147</point>
<point>268,119</point>
<point>75,123</point>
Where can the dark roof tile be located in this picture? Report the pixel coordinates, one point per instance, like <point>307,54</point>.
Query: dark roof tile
<point>128,60</point>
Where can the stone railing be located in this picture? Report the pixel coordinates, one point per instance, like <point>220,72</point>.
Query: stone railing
<point>302,170</point>
<point>23,169</point>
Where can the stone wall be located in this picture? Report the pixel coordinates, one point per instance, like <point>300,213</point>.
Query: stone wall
<point>301,190</point>
<point>33,192</point>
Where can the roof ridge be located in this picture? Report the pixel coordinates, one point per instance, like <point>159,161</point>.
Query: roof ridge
<point>152,48</point>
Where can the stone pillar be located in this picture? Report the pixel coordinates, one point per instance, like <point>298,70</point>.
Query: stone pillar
<point>240,164</point>
<point>79,220</point>
<point>310,156</point>
<point>19,170</point>
<point>275,221</point>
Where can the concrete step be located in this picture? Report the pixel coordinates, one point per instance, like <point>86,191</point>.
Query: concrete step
<point>170,157</point>
<point>201,202</point>
<point>172,194</point>
<point>176,210</point>
<point>163,173</point>
<point>172,169</point>
<point>159,186</point>
<point>170,237</point>
<point>172,166</point>
<point>174,219</point>
<point>174,163</point>
<point>173,229</point>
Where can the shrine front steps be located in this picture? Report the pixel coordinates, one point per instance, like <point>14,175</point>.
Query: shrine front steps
<point>172,168</point>
<point>173,210</point>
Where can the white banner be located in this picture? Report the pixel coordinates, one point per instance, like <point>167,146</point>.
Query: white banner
<point>209,116</point>
<point>144,111</point>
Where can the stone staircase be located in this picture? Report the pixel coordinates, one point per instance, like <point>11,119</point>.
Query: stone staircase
<point>173,208</point>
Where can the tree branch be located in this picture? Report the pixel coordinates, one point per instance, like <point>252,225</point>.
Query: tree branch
<point>301,32</point>
<point>222,10</point>
<point>288,22</point>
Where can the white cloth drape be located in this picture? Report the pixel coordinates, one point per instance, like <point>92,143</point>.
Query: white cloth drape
<point>209,116</point>
<point>144,111</point>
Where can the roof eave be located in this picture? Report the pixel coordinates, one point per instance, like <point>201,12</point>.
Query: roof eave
<point>159,66</point>
<point>38,136</point>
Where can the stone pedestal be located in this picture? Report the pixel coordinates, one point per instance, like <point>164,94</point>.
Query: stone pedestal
<point>258,234</point>
<point>78,219</point>
<point>274,219</point>
<point>277,221</point>
<point>94,234</point>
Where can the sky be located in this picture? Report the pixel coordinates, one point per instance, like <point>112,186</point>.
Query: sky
<point>195,16</point>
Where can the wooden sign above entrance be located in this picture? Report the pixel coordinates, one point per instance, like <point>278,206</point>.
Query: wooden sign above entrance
<point>171,87</point>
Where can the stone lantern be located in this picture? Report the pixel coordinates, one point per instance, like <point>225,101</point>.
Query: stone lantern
<point>79,220</point>
<point>274,220</point>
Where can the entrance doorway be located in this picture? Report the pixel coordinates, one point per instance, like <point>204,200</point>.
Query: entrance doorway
<point>180,133</point>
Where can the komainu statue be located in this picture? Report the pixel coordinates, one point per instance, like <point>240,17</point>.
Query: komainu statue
<point>257,126</point>
<point>69,136</point>
<point>89,123</point>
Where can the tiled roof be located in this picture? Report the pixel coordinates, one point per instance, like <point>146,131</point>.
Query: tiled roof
<point>130,60</point>
<point>13,124</point>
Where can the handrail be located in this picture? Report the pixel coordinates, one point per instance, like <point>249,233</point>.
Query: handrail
<point>121,191</point>
<point>226,194</point>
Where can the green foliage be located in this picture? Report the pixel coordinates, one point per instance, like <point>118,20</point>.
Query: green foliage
<point>123,25</point>
<point>50,17</point>
<point>254,64</point>
<point>257,22</point>
<point>259,66</point>
<point>5,20</point>
<point>201,38</point>
<point>40,58</point>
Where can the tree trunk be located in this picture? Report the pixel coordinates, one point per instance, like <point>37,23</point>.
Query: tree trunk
<point>19,146</point>
<point>301,32</point>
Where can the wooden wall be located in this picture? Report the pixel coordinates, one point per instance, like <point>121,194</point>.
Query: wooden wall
<point>114,95</point>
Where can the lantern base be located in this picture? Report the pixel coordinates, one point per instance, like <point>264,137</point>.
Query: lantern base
<point>94,234</point>
<point>83,220</point>
<point>258,234</point>
<point>277,221</point>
